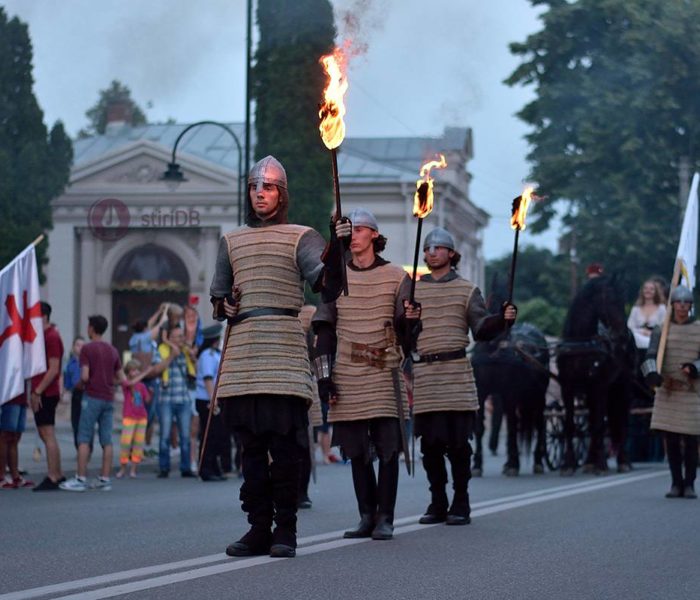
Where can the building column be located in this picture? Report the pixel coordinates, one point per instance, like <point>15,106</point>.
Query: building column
<point>87,283</point>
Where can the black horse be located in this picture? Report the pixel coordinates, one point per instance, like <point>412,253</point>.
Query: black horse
<point>596,363</point>
<point>514,370</point>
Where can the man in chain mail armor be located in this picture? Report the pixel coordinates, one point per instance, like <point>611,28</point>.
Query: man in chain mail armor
<point>357,362</point>
<point>265,384</point>
<point>677,399</point>
<point>445,401</point>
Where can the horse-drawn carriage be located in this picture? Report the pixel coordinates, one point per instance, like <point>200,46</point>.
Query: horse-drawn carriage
<point>581,417</point>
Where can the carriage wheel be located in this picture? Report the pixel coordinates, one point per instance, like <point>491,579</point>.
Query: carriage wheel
<point>582,436</point>
<point>554,436</point>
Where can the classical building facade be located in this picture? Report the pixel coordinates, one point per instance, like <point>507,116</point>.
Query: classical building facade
<point>123,241</point>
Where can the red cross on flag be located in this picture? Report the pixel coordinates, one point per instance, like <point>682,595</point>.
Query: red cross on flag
<point>22,352</point>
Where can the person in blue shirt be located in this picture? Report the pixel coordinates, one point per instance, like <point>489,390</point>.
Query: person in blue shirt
<point>218,440</point>
<point>72,382</point>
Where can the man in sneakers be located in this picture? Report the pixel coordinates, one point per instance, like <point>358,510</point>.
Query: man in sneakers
<point>13,416</point>
<point>44,400</point>
<point>99,368</point>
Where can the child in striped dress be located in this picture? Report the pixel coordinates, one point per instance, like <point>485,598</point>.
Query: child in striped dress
<point>134,419</point>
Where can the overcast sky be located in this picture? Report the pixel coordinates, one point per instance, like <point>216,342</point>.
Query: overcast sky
<point>429,64</point>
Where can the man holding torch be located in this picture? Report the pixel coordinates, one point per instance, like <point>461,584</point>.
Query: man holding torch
<point>356,363</point>
<point>264,384</point>
<point>444,392</point>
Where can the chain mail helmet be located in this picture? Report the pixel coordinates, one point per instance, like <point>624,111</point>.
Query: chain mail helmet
<point>439,237</point>
<point>681,294</point>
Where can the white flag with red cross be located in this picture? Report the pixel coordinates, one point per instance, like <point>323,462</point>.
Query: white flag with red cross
<point>22,352</point>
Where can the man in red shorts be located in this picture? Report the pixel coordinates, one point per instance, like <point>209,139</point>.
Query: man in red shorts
<point>44,399</point>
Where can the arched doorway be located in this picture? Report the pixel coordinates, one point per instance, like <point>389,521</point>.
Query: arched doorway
<point>143,279</point>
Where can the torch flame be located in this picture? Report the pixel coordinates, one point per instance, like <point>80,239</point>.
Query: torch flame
<point>519,211</point>
<point>332,110</point>
<point>423,198</point>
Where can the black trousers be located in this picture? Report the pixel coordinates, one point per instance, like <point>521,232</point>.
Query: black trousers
<point>270,490</point>
<point>682,451</point>
<point>75,404</point>
<point>434,464</point>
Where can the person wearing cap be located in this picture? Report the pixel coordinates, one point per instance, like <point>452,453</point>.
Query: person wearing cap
<point>445,402</point>
<point>218,439</point>
<point>265,384</point>
<point>676,410</point>
<point>357,364</point>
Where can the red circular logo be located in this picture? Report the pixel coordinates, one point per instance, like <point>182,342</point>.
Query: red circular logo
<point>109,219</point>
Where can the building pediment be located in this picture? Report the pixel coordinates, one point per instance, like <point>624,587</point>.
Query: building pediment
<point>142,163</point>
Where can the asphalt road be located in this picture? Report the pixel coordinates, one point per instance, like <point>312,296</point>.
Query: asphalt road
<point>531,537</point>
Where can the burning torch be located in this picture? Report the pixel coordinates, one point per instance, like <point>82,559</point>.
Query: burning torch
<point>517,222</point>
<point>422,207</point>
<point>332,127</point>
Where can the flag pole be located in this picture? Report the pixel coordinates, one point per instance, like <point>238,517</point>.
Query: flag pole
<point>667,319</point>
<point>38,240</point>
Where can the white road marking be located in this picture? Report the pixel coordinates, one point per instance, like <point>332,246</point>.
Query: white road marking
<point>308,545</point>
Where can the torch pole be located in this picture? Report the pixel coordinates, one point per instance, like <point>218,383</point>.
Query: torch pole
<point>338,215</point>
<point>415,261</point>
<point>514,260</point>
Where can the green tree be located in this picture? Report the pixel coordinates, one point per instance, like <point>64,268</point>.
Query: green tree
<point>117,94</point>
<point>34,163</point>
<point>616,108</point>
<point>287,88</point>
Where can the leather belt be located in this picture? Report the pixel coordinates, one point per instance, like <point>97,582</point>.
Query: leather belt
<point>264,312</point>
<point>441,356</point>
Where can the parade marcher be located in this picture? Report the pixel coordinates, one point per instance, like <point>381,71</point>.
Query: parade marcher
<point>445,402</point>
<point>676,410</point>
<point>217,442</point>
<point>364,386</point>
<point>265,383</point>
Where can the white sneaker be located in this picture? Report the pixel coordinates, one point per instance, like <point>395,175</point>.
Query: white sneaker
<point>103,484</point>
<point>74,484</point>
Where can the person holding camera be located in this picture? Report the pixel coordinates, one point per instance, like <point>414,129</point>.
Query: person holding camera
<point>177,381</point>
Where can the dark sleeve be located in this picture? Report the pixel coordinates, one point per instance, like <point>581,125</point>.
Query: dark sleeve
<point>484,325</point>
<point>654,341</point>
<point>222,283</point>
<point>323,324</point>
<point>321,278</point>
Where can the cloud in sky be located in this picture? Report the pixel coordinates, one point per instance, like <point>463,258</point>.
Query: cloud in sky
<point>425,66</point>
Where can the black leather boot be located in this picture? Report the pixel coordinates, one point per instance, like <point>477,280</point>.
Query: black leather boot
<point>384,529</point>
<point>434,464</point>
<point>285,494</point>
<point>459,513</point>
<point>387,486</point>
<point>256,498</point>
<point>365,485</point>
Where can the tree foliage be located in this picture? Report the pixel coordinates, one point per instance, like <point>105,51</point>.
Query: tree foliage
<point>287,88</point>
<point>116,93</point>
<point>34,163</point>
<point>616,108</point>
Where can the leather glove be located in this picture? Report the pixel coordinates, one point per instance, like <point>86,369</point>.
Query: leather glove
<point>342,229</point>
<point>327,390</point>
<point>653,379</point>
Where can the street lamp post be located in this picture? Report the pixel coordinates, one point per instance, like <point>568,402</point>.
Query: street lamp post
<point>174,175</point>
